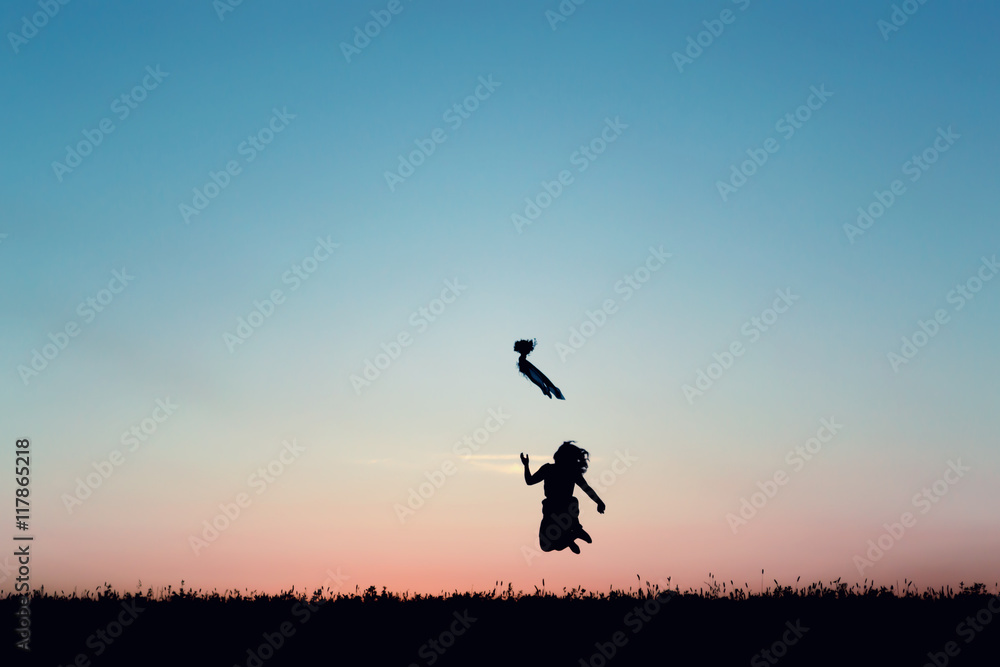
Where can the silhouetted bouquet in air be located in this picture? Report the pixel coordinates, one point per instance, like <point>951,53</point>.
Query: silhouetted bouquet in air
<point>524,348</point>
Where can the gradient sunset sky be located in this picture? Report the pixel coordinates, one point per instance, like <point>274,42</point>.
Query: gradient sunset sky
<point>619,126</point>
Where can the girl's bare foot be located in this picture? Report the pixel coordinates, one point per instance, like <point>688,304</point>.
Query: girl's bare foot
<point>574,547</point>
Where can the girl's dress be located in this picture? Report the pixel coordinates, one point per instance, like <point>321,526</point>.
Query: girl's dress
<point>560,509</point>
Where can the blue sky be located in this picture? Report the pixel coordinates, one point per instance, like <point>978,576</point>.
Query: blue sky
<point>346,121</point>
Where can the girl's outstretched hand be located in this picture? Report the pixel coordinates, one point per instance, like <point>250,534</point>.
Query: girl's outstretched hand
<point>600,508</point>
<point>524,459</point>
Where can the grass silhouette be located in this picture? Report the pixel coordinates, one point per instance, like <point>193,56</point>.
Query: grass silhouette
<point>717,623</point>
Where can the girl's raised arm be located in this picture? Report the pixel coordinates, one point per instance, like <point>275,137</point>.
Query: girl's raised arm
<point>530,479</point>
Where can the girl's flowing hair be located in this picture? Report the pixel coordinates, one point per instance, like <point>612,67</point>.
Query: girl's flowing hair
<point>524,346</point>
<point>570,455</point>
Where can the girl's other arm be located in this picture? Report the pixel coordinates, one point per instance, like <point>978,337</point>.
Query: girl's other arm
<point>582,483</point>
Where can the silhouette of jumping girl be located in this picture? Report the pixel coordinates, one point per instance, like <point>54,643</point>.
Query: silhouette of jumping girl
<point>560,527</point>
<point>524,348</point>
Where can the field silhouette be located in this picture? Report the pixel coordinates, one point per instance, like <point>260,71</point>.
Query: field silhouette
<point>718,624</point>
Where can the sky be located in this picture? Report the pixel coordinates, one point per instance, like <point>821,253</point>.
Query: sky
<point>263,270</point>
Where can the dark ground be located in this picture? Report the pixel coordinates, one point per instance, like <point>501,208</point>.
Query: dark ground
<point>809,626</point>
